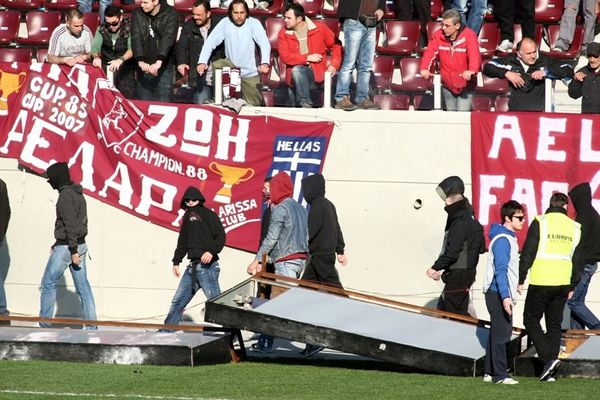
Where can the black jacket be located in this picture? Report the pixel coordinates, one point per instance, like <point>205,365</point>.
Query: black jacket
<point>351,8</point>
<point>463,240</point>
<point>4,210</point>
<point>201,230</point>
<point>70,227</point>
<point>530,248</point>
<point>589,89</point>
<point>190,44</point>
<point>530,97</point>
<point>324,234</point>
<point>588,217</point>
<point>164,26</point>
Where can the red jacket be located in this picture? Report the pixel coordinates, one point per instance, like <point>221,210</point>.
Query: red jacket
<point>454,58</point>
<point>320,39</point>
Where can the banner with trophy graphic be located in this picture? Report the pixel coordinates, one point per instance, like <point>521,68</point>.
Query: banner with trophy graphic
<point>141,156</point>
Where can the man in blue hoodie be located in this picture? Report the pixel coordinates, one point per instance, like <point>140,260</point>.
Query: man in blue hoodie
<point>500,288</point>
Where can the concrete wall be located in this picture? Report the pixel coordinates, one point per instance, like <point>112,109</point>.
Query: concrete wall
<point>378,165</point>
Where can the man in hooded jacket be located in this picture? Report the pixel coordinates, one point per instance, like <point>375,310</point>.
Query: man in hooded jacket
<point>201,237</point>
<point>4,218</point>
<point>587,262</point>
<point>69,250</point>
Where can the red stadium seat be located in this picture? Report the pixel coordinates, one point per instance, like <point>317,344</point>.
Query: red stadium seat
<point>482,103</point>
<point>275,9</point>
<point>23,4</point>
<point>437,7</point>
<point>383,68</point>
<point>573,52</point>
<point>392,101</point>
<point>495,86</point>
<point>431,28</point>
<point>518,35</point>
<point>402,37</point>
<point>276,75</point>
<point>330,8</point>
<point>60,5</point>
<point>489,37</point>
<point>92,21</point>
<point>333,24</point>
<point>183,6</point>
<point>273,25</point>
<point>9,26</point>
<point>548,11</point>
<point>501,104</point>
<point>311,7</point>
<point>13,54</point>
<point>40,25</point>
<point>412,81</point>
<point>41,54</point>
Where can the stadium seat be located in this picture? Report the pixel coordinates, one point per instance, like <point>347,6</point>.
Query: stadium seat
<point>333,24</point>
<point>573,52</point>
<point>412,81</point>
<point>482,103</point>
<point>275,9</point>
<point>489,37</point>
<point>329,9</point>
<point>40,25</point>
<point>183,6</point>
<point>383,68</point>
<point>431,28</point>
<point>92,21</point>
<point>23,4</point>
<point>518,35</point>
<point>437,7</point>
<point>41,54</point>
<point>402,37</point>
<point>9,26</point>
<point>495,86</point>
<point>273,25</point>
<point>127,8</point>
<point>61,5</point>
<point>392,101</point>
<point>501,104</point>
<point>276,75</point>
<point>548,11</point>
<point>312,8</point>
<point>13,54</point>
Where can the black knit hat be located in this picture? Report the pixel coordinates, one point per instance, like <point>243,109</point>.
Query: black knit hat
<point>450,185</point>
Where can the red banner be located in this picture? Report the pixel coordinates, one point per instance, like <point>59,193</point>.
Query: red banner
<point>141,156</point>
<point>529,156</point>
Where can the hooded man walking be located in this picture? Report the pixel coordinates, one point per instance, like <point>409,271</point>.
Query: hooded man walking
<point>69,250</point>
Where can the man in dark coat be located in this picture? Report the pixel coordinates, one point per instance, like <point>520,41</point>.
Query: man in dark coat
<point>586,82</point>
<point>4,218</point>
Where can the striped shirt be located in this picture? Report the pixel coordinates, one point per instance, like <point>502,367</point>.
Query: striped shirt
<point>64,44</point>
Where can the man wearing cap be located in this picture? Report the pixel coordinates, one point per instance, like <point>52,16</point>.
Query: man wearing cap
<point>463,242</point>
<point>586,82</point>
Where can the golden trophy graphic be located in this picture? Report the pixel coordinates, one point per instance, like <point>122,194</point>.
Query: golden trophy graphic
<point>9,84</point>
<point>229,176</point>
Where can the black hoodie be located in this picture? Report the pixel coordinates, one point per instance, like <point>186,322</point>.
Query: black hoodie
<point>588,217</point>
<point>4,210</point>
<point>201,230</point>
<point>70,227</point>
<point>324,234</point>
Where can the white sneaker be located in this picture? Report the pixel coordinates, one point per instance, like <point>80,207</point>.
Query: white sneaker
<point>507,381</point>
<point>506,46</point>
<point>487,378</point>
<point>551,379</point>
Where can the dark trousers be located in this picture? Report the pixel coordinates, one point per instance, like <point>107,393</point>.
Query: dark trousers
<point>406,9</point>
<point>496,364</point>
<point>548,301</point>
<point>505,12</point>
<point>321,269</point>
<point>455,297</point>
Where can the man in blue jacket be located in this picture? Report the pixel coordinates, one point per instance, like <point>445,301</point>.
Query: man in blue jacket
<point>500,288</point>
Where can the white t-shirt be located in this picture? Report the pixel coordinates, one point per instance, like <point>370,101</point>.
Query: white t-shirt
<point>64,44</point>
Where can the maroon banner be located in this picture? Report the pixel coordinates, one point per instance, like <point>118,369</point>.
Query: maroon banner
<point>529,156</point>
<point>141,156</point>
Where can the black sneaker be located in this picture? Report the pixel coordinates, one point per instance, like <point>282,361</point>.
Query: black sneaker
<point>550,369</point>
<point>311,350</point>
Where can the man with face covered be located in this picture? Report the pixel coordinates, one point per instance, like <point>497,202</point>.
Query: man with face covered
<point>526,71</point>
<point>586,82</point>
<point>240,33</point>
<point>69,250</point>
<point>70,43</point>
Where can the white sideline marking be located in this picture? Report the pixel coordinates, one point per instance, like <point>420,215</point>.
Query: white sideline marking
<point>109,395</point>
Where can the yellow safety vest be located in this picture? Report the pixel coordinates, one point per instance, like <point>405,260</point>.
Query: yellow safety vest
<point>559,235</point>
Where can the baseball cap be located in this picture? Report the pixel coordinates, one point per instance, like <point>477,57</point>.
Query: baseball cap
<point>593,49</point>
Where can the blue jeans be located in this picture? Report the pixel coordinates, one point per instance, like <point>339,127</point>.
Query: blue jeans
<point>85,6</point>
<point>359,50</point>
<point>207,278</point>
<point>581,316</point>
<point>59,261</point>
<point>457,102</point>
<point>303,79</point>
<point>478,9</point>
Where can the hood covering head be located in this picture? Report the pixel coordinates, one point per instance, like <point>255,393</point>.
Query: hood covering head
<point>313,186</point>
<point>581,196</point>
<point>58,175</point>
<point>192,193</point>
<point>449,186</point>
<point>281,187</point>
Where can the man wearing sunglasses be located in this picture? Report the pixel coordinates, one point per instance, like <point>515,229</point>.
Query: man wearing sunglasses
<point>111,49</point>
<point>552,243</point>
<point>202,238</point>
